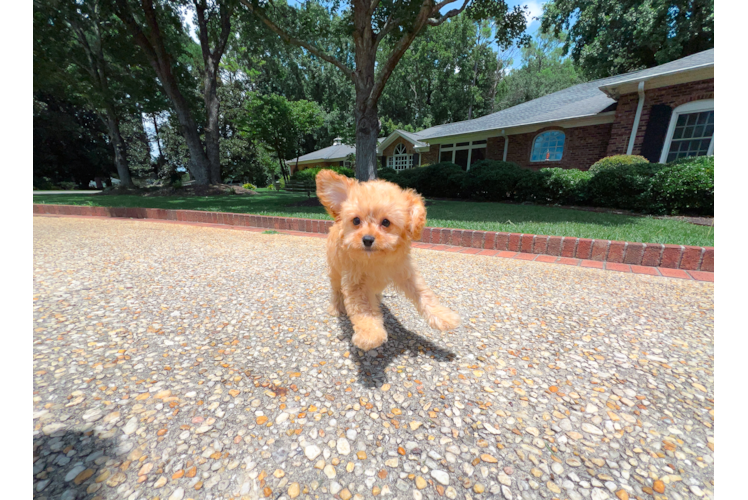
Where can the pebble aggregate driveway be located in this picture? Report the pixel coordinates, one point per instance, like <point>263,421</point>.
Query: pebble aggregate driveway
<point>179,362</point>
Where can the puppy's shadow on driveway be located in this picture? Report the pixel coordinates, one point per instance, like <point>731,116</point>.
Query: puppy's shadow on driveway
<point>400,340</point>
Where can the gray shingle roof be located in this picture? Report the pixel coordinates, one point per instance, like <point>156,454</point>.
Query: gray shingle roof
<point>411,136</point>
<point>585,99</point>
<point>337,152</point>
<point>334,152</point>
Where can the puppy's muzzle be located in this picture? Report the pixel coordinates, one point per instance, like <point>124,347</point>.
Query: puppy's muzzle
<point>368,241</point>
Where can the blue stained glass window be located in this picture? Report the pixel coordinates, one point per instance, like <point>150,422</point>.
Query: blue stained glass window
<point>548,146</point>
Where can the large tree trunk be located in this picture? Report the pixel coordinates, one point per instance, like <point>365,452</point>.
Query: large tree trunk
<point>212,134</point>
<point>160,60</point>
<point>211,60</point>
<point>365,112</point>
<point>120,152</point>
<point>199,166</point>
<point>367,132</point>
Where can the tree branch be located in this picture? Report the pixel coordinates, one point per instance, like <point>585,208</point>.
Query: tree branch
<point>389,25</point>
<point>402,45</point>
<point>202,24</point>
<point>124,13</point>
<point>92,67</point>
<point>295,41</point>
<point>226,13</point>
<point>373,6</point>
<point>450,14</point>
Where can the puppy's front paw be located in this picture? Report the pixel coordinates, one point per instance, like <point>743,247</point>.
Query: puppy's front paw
<point>336,309</point>
<point>443,319</point>
<point>368,334</point>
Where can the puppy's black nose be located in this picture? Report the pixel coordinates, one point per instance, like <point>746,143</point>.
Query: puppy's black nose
<point>368,240</point>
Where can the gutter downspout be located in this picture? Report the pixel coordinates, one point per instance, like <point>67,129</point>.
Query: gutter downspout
<point>506,143</point>
<point>635,128</point>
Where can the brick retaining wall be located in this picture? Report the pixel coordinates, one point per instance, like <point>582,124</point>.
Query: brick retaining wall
<point>688,258</point>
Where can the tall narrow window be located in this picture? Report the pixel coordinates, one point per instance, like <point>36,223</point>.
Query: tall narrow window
<point>691,131</point>
<point>400,160</point>
<point>548,146</point>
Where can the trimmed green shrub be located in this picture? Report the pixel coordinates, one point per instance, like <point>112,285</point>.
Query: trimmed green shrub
<point>497,181</point>
<point>387,174</point>
<point>685,186</point>
<point>566,186</point>
<point>310,173</point>
<point>408,178</point>
<point>249,186</point>
<point>532,187</point>
<point>623,186</point>
<point>615,160</point>
<point>440,180</point>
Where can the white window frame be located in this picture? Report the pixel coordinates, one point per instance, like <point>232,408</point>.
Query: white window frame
<point>400,159</point>
<point>689,107</point>
<point>563,150</point>
<point>470,147</point>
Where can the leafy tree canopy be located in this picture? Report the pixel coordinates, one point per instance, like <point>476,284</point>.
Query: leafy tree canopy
<point>611,37</point>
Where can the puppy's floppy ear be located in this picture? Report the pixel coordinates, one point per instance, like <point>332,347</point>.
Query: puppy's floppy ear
<point>416,214</point>
<point>332,190</point>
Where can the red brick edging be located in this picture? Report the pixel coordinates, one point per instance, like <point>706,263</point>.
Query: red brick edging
<point>687,258</point>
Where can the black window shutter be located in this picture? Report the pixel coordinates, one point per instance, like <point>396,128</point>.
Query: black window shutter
<point>415,160</point>
<point>654,135</point>
<point>384,161</point>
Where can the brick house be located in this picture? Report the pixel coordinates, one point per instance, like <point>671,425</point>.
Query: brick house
<point>661,113</point>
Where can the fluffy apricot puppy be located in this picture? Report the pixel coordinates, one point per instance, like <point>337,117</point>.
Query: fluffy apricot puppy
<point>368,248</point>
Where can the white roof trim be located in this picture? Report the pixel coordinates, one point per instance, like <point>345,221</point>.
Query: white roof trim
<point>419,146</point>
<point>605,117</point>
<point>610,86</point>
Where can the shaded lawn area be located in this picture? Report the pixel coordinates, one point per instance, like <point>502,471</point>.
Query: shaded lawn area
<point>529,219</point>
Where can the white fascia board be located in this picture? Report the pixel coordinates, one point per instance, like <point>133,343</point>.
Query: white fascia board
<point>664,79</point>
<point>572,122</point>
<point>419,146</point>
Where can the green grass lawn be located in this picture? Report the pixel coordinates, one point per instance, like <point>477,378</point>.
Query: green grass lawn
<point>455,214</point>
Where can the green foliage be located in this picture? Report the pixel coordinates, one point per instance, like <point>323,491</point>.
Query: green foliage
<point>387,174</point>
<point>280,123</point>
<point>448,74</point>
<point>249,186</point>
<point>497,181</point>
<point>309,174</point>
<point>566,186</point>
<point>609,38</point>
<point>622,185</point>
<point>70,142</point>
<point>685,186</point>
<point>615,161</point>
<point>440,180</point>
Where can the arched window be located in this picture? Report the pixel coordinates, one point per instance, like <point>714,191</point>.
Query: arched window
<point>691,131</point>
<point>548,146</point>
<point>400,160</point>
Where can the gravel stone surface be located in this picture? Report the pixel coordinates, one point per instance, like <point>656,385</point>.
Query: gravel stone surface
<point>189,362</point>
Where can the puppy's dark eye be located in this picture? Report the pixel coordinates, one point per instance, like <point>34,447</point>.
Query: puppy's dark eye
<point>356,221</point>
<point>386,223</point>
